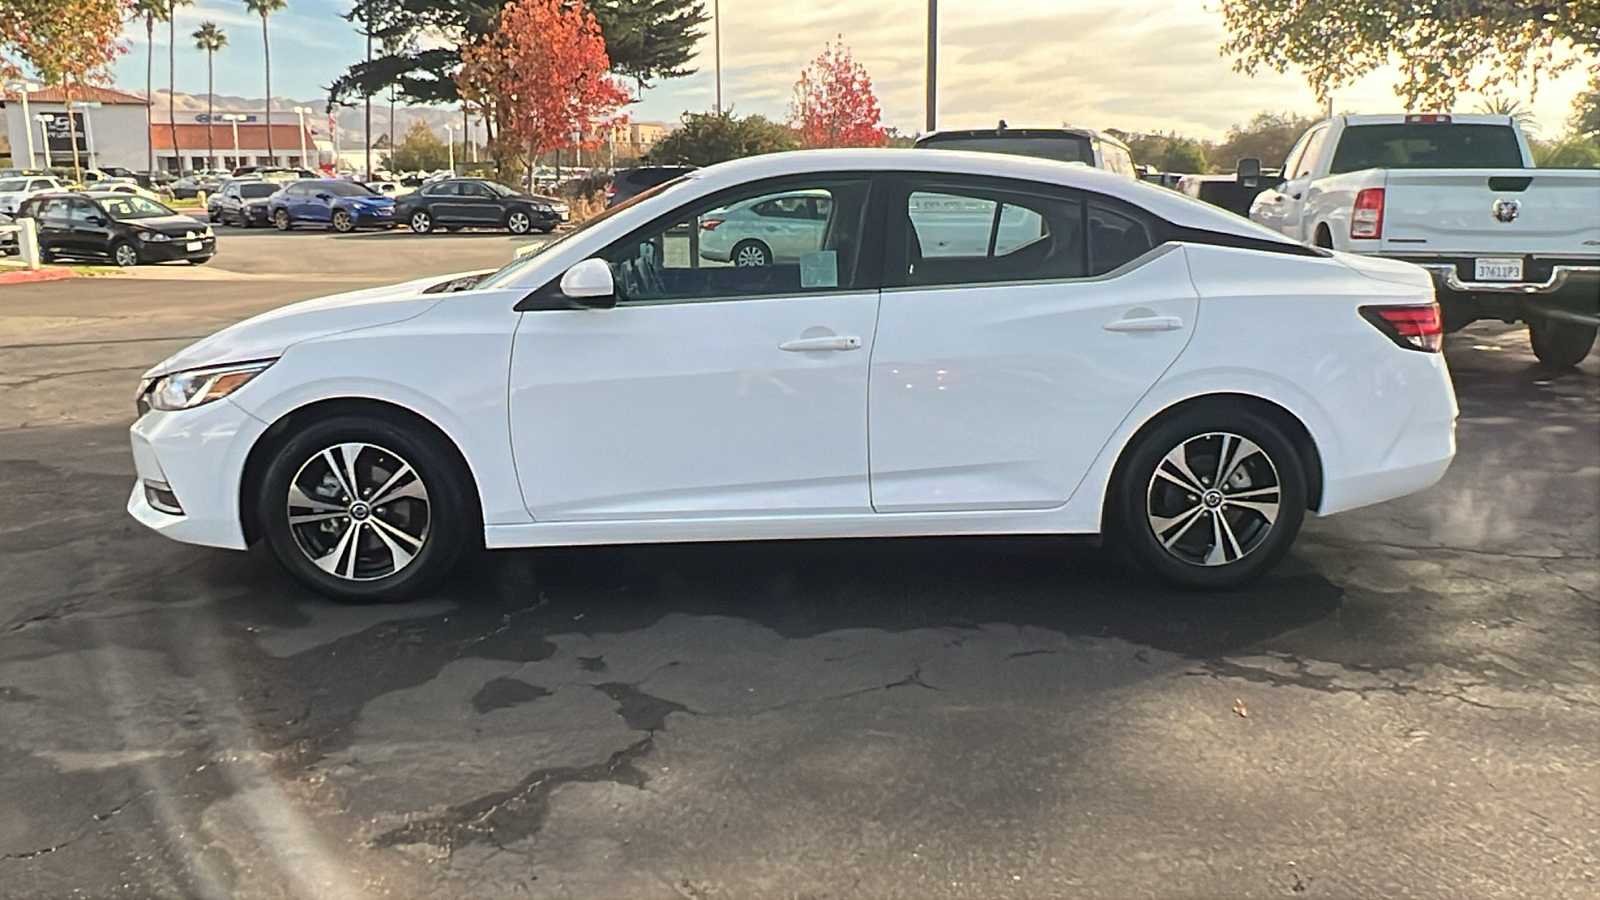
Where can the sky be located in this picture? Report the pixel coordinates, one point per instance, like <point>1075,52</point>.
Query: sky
<point>1137,65</point>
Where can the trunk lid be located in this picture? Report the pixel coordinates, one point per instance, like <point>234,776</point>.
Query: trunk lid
<point>1549,212</point>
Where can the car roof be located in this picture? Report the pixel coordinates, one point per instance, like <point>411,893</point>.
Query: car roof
<point>1024,131</point>
<point>1176,208</point>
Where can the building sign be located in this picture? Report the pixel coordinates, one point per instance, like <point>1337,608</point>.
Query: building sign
<point>59,133</point>
<point>206,119</point>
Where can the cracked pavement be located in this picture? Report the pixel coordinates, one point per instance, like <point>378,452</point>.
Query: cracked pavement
<point>1409,706</point>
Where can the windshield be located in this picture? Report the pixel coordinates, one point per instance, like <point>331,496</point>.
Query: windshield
<point>509,274</point>
<point>11,185</point>
<point>123,208</point>
<point>1423,145</point>
<point>498,189</point>
<point>346,189</point>
<point>1063,148</point>
<point>253,191</point>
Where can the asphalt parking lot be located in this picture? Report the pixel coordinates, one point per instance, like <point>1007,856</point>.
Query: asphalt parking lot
<point>1409,706</point>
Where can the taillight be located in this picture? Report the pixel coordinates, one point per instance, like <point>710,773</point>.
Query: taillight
<point>611,189</point>
<point>710,224</point>
<point>1412,327</point>
<point>1429,119</point>
<point>1366,220</point>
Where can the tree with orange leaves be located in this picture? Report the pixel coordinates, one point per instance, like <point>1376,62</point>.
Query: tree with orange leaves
<point>541,77</point>
<point>68,43</point>
<point>834,105</point>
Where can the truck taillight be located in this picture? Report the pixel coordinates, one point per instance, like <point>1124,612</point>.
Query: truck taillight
<point>1366,220</point>
<point>1412,327</point>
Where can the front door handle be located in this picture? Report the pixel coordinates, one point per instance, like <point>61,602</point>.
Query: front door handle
<point>1145,323</point>
<point>831,342</point>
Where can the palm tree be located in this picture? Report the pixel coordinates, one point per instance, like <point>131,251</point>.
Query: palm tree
<point>151,11</point>
<point>210,38</point>
<point>172,73</point>
<point>1501,105</point>
<point>264,8</point>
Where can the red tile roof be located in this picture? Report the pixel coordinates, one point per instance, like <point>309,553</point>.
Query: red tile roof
<point>109,96</point>
<point>252,137</point>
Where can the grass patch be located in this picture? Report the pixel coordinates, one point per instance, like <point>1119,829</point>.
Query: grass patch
<point>91,270</point>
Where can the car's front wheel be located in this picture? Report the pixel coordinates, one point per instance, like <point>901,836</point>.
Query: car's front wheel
<point>342,222</point>
<point>518,222</point>
<point>365,508</point>
<point>125,254</point>
<point>1210,498</point>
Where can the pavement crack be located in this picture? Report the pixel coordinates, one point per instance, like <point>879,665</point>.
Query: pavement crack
<point>915,678</point>
<point>82,833</point>
<point>1302,677</point>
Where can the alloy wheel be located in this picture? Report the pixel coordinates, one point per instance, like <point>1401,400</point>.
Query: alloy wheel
<point>1213,499</point>
<point>341,221</point>
<point>518,222</point>
<point>125,255</point>
<point>421,222</point>
<point>358,511</point>
<point>750,255</point>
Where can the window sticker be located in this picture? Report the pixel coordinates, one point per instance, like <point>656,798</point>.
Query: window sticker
<point>819,269</point>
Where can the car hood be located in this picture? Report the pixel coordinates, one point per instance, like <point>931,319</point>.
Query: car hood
<point>268,335</point>
<point>174,225</point>
<point>1391,270</point>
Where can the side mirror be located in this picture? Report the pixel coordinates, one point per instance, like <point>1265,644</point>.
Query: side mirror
<point>1249,172</point>
<point>95,220</point>
<point>590,282</point>
<point>324,196</point>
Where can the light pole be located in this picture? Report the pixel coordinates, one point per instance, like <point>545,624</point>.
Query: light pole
<point>24,88</point>
<point>716,39</point>
<point>302,112</point>
<point>234,119</point>
<point>933,64</point>
<point>44,120</point>
<point>450,145</point>
<point>88,128</point>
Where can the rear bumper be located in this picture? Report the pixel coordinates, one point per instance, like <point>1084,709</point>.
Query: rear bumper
<point>1561,276</point>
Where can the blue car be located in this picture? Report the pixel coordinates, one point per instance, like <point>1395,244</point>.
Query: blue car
<point>340,205</point>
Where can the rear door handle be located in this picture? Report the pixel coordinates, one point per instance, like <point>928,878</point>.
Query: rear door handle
<point>1145,323</point>
<point>832,342</point>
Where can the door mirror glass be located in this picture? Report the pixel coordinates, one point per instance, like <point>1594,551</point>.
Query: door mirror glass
<point>1249,172</point>
<point>95,220</point>
<point>324,196</point>
<point>590,281</point>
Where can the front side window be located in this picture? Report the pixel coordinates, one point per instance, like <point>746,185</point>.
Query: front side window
<point>82,211</point>
<point>962,233</point>
<point>256,191</point>
<point>476,191</point>
<point>1308,158</point>
<point>443,189</point>
<point>759,241</point>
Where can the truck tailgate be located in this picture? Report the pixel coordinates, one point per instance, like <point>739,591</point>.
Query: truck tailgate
<point>1548,212</point>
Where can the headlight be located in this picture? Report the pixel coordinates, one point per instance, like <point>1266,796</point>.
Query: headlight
<point>542,207</point>
<point>188,389</point>
<point>154,236</point>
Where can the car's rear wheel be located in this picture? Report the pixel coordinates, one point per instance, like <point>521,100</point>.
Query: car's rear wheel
<point>281,220</point>
<point>125,254</point>
<point>1560,344</point>
<point>1211,498</point>
<point>365,508</point>
<point>342,222</point>
<point>751,253</point>
<point>518,222</point>
<point>421,222</point>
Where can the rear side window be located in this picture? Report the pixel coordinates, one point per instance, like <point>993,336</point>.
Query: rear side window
<point>962,233</point>
<point>1115,239</point>
<point>447,189</point>
<point>1427,145</point>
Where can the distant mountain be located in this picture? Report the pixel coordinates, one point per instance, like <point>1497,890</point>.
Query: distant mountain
<point>351,121</point>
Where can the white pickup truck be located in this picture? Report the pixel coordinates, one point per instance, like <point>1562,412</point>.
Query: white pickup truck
<point>1459,196</point>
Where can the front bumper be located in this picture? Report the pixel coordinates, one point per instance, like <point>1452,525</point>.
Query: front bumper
<point>369,219</point>
<point>199,455</point>
<point>177,249</point>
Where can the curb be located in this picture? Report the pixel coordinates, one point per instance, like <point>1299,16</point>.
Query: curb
<point>24,276</point>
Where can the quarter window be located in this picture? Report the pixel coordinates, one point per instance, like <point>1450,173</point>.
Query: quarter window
<point>1115,239</point>
<point>730,248</point>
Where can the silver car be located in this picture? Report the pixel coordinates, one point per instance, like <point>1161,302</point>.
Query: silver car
<point>774,229</point>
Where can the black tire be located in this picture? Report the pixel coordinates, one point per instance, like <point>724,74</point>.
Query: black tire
<point>751,254</point>
<point>445,522</point>
<point>1560,344</point>
<point>519,222</point>
<point>421,222</point>
<point>343,222</point>
<point>124,254</point>
<point>1142,503</point>
<point>199,260</point>
<point>548,229</point>
<point>280,219</point>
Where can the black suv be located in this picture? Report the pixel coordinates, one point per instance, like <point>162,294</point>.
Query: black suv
<point>627,183</point>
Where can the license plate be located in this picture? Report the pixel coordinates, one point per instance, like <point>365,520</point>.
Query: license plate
<point>192,246</point>
<point>1497,269</point>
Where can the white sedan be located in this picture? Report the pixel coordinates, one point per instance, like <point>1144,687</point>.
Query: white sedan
<point>1097,355</point>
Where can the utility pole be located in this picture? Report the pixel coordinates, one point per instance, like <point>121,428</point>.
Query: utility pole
<point>933,65</point>
<point>367,175</point>
<point>716,40</point>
